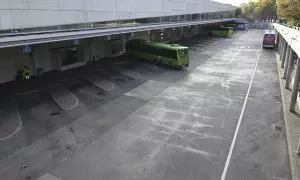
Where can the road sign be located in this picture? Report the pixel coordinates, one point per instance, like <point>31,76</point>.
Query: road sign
<point>27,49</point>
<point>75,42</point>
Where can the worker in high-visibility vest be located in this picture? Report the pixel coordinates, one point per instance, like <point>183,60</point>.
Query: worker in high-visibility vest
<point>25,73</point>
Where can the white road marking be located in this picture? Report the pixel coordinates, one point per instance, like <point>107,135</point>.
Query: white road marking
<point>18,129</point>
<point>66,108</point>
<point>48,176</point>
<point>28,92</point>
<point>112,87</point>
<point>101,83</point>
<point>187,149</point>
<point>223,177</point>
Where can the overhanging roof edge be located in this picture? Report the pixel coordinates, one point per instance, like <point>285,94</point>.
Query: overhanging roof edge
<point>63,36</point>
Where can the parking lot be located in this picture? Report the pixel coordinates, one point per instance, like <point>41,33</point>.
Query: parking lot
<point>35,108</point>
<point>123,118</point>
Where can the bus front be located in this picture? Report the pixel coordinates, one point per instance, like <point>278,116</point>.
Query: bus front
<point>183,57</point>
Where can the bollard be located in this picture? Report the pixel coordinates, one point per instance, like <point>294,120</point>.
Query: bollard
<point>289,69</point>
<point>295,87</point>
<point>286,61</point>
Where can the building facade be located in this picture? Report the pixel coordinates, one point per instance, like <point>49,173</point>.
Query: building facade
<point>24,18</point>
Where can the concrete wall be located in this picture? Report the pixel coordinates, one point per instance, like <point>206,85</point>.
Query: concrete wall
<point>259,25</point>
<point>15,14</point>
<point>11,61</point>
<point>141,35</point>
<point>45,56</point>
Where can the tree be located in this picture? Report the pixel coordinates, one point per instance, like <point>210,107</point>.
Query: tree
<point>260,10</point>
<point>271,9</point>
<point>238,12</point>
<point>266,9</point>
<point>248,10</point>
<point>289,10</point>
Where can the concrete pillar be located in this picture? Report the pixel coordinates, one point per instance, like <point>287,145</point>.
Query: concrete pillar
<point>295,87</point>
<point>34,66</point>
<point>124,41</point>
<point>281,47</point>
<point>286,61</point>
<point>289,69</point>
<point>283,52</point>
<point>277,39</point>
<point>279,43</point>
<point>151,36</point>
<point>173,35</point>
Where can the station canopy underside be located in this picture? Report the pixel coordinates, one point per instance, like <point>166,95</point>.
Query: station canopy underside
<point>30,39</point>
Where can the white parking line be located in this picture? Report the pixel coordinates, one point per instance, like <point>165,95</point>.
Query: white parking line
<point>224,173</point>
<point>18,128</point>
<point>48,176</point>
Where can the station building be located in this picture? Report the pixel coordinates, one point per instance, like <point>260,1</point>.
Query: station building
<point>58,35</point>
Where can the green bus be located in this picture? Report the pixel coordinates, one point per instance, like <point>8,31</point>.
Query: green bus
<point>172,55</point>
<point>222,31</point>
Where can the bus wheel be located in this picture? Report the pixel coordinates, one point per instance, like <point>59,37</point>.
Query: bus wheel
<point>178,67</point>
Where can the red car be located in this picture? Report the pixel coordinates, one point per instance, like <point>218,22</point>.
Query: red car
<point>269,39</point>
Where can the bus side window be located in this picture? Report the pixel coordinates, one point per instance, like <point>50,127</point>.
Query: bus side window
<point>153,50</point>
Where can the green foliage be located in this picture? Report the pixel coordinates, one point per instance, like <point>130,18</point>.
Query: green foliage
<point>238,12</point>
<point>260,10</point>
<point>290,10</point>
<point>294,22</point>
<point>287,10</point>
<point>248,10</point>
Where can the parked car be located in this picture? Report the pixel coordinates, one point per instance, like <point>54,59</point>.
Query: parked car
<point>269,40</point>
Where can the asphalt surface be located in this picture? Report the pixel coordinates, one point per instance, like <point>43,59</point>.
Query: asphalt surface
<point>218,119</point>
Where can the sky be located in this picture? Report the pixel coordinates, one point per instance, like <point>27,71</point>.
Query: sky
<point>233,2</point>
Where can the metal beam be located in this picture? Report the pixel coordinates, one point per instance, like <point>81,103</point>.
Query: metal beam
<point>295,87</point>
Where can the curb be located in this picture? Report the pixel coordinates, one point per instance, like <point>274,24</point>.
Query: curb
<point>291,153</point>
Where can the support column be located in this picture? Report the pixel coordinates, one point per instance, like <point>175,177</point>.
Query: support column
<point>280,44</point>
<point>289,69</point>
<point>284,53</point>
<point>295,87</point>
<point>34,60</point>
<point>281,48</point>
<point>286,61</point>
<point>277,40</point>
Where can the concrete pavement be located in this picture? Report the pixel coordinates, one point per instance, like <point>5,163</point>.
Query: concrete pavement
<point>178,125</point>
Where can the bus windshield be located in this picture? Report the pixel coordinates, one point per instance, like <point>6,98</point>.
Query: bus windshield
<point>183,52</point>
